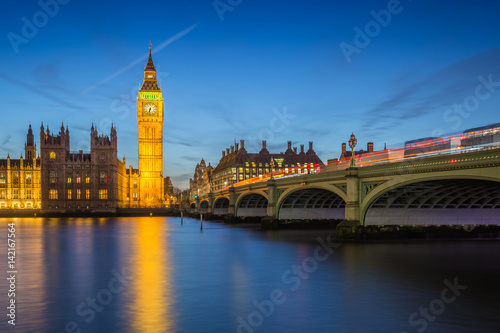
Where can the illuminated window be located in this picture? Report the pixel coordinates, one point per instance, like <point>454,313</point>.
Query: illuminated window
<point>69,194</point>
<point>103,194</point>
<point>3,194</point>
<point>28,178</point>
<point>53,194</point>
<point>87,194</point>
<point>52,176</point>
<point>15,178</point>
<point>78,194</point>
<point>103,178</point>
<point>87,178</point>
<point>2,177</point>
<point>78,178</point>
<point>15,194</point>
<point>135,184</point>
<point>70,175</point>
<point>28,194</point>
<point>134,196</point>
<point>52,155</point>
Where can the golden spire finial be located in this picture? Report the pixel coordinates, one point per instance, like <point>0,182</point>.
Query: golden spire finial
<point>150,44</point>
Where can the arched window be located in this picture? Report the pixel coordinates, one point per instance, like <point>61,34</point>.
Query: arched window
<point>52,155</point>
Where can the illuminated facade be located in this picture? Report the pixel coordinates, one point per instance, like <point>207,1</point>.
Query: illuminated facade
<point>237,164</point>
<point>20,178</point>
<point>150,120</point>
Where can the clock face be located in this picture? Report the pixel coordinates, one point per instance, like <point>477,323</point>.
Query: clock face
<point>149,109</point>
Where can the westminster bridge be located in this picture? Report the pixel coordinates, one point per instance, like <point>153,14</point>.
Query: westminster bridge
<point>461,189</point>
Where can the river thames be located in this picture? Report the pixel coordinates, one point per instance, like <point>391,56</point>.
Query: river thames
<point>158,275</point>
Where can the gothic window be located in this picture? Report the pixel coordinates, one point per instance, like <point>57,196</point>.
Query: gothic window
<point>103,178</point>
<point>87,178</point>
<point>2,177</point>
<point>53,194</point>
<point>15,194</point>
<point>52,155</point>
<point>3,194</point>
<point>28,178</point>
<point>87,194</point>
<point>78,194</point>
<point>69,194</point>
<point>70,176</point>
<point>52,176</point>
<point>78,178</point>
<point>103,194</point>
<point>15,178</point>
<point>28,194</point>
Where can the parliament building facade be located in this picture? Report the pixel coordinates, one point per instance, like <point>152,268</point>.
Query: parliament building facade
<point>62,181</point>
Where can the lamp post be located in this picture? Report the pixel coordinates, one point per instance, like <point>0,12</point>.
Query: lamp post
<point>272,166</point>
<point>352,144</point>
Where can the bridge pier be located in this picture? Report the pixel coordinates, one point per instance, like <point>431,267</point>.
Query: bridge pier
<point>272,199</point>
<point>346,229</point>
<point>210,202</point>
<point>197,205</point>
<point>232,202</point>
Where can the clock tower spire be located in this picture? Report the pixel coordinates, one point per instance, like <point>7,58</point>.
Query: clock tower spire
<point>150,120</point>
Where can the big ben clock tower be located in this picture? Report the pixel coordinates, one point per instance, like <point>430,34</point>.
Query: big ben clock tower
<point>150,120</point>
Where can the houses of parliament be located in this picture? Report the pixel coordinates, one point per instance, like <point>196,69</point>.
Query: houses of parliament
<point>61,181</point>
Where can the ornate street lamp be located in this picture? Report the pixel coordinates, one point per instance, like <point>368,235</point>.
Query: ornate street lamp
<point>352,144</point>
<point>272,166</point>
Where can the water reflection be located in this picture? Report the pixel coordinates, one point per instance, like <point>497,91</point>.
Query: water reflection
<point>152,299</point>
<point>32,285</point>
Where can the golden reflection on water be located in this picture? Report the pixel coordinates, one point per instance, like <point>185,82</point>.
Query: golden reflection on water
<point>151,306</point>
<point>32,279</point>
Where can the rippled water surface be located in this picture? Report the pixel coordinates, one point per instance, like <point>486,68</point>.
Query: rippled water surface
<point>156,275</point>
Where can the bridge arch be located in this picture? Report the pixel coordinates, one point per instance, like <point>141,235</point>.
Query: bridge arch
<point>252,204</point>
<point>315,203</point>
<point>433,200</point>
<point>221,206</point>
<point>192,207</point>
<point>204,206</point>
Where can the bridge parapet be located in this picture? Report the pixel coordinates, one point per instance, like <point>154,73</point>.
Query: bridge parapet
<point>485,158</point>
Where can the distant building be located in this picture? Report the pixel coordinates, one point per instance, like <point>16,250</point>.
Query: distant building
<point>78,181</point>
<point>237,164</point>
<point>200,183</point>
<point>20,178</point>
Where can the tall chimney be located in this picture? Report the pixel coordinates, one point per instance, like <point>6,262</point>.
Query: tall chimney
<point>295,150</point>
<point>301,149</point>
<point>236,147</point>
<point>310,145</point>
<point>232,149</point>
<point>223,153</point>
<point>264,144</point>
<point>290,145</point>
<point>242,144</point>
<point>369,146</point>
<point>344,148</point>
<point>227,151</point>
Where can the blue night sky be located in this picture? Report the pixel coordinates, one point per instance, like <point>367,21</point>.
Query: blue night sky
<point>252,70</point>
